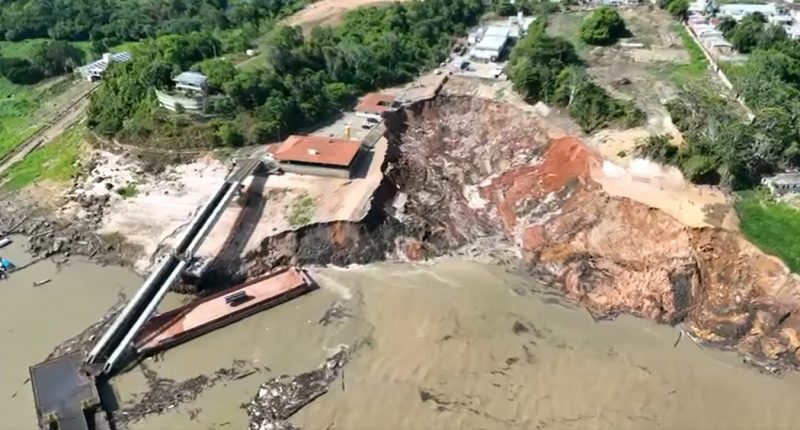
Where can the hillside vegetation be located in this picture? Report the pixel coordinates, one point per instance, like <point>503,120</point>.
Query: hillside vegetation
<point>722,146</point>
<point>115,21</point>
<point>303,80</point>
<point>546,68</point>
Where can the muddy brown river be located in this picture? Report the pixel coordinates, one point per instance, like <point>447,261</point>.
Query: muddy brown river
<point>33,320</point>
<point>453,344</point>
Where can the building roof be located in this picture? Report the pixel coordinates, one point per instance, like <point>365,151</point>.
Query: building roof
<point>497,30</point>
<point>717,42</point>
<point>191,78</point>
<point>736,9</point>
<point>784,179</point>
<point>375,103</point>
<point>317,150</point>
<point>100,66</point>
<point>492,43</point>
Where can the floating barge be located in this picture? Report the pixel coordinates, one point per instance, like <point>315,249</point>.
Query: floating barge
<point>210,313</point>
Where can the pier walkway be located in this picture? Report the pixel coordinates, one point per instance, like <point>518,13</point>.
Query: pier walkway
<point>65,388</point>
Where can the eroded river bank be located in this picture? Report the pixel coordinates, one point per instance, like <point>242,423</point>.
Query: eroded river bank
<point>457,341</point>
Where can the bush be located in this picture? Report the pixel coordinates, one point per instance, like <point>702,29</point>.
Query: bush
<point>603,27</point>
<point>548,69</point>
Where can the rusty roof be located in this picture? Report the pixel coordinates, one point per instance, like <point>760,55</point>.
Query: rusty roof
<point>375,102</point>
<point>317,150</point>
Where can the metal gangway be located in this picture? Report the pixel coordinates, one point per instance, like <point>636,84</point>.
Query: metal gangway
<point>114,343</point>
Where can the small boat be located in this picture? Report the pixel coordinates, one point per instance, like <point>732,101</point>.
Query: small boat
<point>5,241</point>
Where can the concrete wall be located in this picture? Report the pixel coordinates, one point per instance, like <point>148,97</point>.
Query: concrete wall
<point>303,169</point>
<point>189,104</point>
<point>722,76</point>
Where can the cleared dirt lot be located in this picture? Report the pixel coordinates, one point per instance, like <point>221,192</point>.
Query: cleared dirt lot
<point>328,12</point>
<point>643,74</point>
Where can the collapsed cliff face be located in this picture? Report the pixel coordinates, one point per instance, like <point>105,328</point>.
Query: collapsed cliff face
<point>466,169</point>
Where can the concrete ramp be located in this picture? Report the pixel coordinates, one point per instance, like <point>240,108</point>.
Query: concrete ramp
<point>63,393</point>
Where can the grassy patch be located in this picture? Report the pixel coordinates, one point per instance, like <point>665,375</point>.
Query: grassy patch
<point>26,48</point>
<point>128,191</point>
<point>17,105</point>
<point>772,226</point>
<point>697,68</point>
<point>302,211</point>
<point>54,162</point>
<point>567,25</point>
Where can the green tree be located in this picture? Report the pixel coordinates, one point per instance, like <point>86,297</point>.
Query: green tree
<point>726,26</point>
<point>229,135</point>
<point>678,8</point>
<point>747,33</point>
<point>57,57</point>
<point>219,73</point>
<point>503,8</point>
<point>603,27</point>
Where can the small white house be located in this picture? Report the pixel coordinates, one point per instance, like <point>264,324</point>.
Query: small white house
<point>191,81</point>
<point>783,183</point>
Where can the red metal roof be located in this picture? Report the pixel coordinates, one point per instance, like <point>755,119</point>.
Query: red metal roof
<point>375,103</point>
<point>317,150</point>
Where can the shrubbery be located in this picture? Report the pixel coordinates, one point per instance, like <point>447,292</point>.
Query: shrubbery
<point>548,69</point>
<point>603,27</point>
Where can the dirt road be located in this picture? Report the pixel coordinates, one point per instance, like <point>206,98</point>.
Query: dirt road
<point>71,114</point>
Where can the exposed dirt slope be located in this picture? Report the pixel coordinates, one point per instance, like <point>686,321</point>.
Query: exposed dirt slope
<point>471,171</point>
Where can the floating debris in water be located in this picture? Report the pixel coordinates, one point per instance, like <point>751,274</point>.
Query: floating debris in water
<point>279,399</point>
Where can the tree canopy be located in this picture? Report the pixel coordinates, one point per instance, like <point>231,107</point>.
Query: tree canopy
<point>547,68</point>
<point>304,79</point>
<point>603,27</point>
<point>122,20</point>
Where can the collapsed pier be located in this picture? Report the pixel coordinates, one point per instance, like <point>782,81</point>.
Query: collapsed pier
<point>65,389</point>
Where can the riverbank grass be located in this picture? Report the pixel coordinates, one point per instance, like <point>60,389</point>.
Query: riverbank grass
<point>54,162</point>
<point>771,225</point>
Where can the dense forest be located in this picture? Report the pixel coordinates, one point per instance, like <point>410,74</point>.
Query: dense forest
<point>546,68</point>
<point>722,146</point>
<point>128,20</point>
<point>107,23</point>
<point>304,79</point>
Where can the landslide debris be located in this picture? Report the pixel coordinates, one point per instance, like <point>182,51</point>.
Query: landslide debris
<point>466,173</point>
<point>280,398</point>
<point>473,169</point>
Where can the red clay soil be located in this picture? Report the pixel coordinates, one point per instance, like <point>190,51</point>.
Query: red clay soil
<point>611,254</point>
<point>475,170</point>
<point>567,159</point>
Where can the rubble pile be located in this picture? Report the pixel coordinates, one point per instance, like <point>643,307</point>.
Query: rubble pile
<point>48,237</point>
<point>279,399</point>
